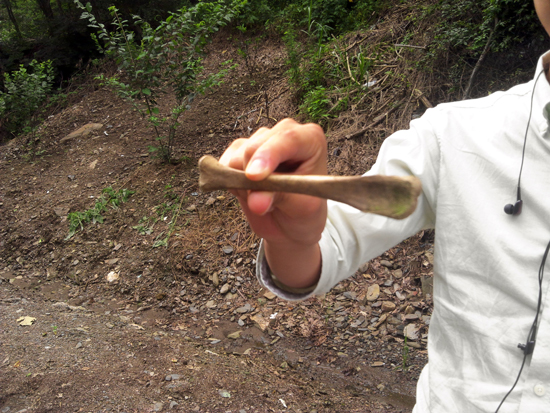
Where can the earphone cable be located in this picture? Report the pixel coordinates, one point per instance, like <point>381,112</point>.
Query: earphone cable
<point>532,331</point>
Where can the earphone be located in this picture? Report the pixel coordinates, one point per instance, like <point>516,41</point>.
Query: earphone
<point>515,209</point>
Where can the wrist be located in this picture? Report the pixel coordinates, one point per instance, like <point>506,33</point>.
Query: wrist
<point>294,265</point>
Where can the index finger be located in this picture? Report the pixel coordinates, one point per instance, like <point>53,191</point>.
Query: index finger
<point>289,142</point>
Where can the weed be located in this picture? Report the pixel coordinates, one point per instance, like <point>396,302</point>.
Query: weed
<point>316,104</point>
<point>109,197</point>
<point>405,356</point>
<point>168,212</point>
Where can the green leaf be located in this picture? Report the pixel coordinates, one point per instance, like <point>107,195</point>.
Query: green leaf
<point>146,92</point>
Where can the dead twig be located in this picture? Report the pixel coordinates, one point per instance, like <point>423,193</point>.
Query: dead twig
<point>411,46</point>
<point>375,122</point>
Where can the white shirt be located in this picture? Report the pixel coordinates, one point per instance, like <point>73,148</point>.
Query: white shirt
<point>467,155</point>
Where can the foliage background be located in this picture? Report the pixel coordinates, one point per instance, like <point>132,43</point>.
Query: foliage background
<point>500,36</point>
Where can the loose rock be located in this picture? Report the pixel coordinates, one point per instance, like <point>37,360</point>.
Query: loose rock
<point>373,292</point>
<point>225,288</point>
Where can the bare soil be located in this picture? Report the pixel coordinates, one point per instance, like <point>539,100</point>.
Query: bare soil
<point>126,323</point>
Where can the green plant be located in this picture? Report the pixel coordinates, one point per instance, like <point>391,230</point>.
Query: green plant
<point>168,212</point>
<point>109,197</point>
<point>316,104</point>
<point>405,356</point>
<point>165,57</point>
<point>25,90</point>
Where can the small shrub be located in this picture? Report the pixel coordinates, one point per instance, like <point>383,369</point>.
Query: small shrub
<point>165,57</point>
<point>25,91</point>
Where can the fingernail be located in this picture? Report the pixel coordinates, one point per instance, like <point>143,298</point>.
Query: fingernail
<point>256,167</point>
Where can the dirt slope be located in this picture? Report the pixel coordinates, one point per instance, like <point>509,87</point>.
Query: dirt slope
<point>126,322</point>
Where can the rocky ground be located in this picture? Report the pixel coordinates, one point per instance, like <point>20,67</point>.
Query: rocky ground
<point>157,308</point>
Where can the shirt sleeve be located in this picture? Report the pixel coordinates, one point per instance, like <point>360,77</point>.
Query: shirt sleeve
<point>352,237</point>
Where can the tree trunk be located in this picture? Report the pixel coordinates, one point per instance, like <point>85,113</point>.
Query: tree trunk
<point>60,6</point>
<point>46,8</point>
<point>7,4</point>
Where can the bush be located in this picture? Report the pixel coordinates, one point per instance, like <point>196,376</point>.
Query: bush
<point>25,90</point>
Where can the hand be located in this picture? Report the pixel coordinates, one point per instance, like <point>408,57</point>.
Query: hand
<point>290,224</point>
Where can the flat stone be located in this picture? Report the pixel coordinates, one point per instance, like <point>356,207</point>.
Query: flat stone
<point>373,292</point>
<point>269,295</point>
<point>260,320</point>
<point>411,331</point>
<point>225,288</point>
<point>235,335</point>
<point>244,309</point>
<point>82,132</point>
<point>350,295</point>
<point>388,306</point>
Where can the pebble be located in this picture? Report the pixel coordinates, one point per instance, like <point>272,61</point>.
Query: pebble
<point>244,309</point>
<point>350,295</point>
<point>373,292</point>
<point>388,306</point>
<point>112,261</point>
<point>411,331</point>
<point>79,345</point>
<point>386,263</point>
<point>157,407</point>
<point>235,335</point>
<point>173,404</point>
<point>269,295</point>
<point>112,276</point>
<point>228,249</point>
<point>225,288</point>
<point>211,304</point>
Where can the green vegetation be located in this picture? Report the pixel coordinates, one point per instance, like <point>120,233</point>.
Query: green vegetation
<point>168,213</point>
<point>405,356</point>
<point>26,90</point>
<point>161,52</point>
<point>165,58</point>
<point>109,197</point>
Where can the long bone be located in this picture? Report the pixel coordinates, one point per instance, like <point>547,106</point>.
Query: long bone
<point>391,196</point>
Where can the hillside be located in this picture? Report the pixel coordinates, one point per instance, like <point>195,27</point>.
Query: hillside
<point>157,307</point>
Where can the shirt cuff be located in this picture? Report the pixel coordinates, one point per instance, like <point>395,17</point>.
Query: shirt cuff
<point>269,281</point>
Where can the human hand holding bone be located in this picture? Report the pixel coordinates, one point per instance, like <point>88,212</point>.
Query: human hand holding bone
<point>290,222</point>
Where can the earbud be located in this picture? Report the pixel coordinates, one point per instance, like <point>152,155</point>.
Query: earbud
<point>513,209</point>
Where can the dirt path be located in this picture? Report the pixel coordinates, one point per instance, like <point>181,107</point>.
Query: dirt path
<point>99,359</point>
